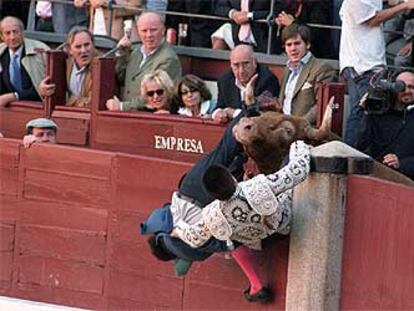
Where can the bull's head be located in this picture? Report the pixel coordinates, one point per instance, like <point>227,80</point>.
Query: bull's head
<point>267,138</point>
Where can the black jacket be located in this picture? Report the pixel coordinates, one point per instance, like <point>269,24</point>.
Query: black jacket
<point>389,133</point>
<point>28,91</point>
<point>229,93</point>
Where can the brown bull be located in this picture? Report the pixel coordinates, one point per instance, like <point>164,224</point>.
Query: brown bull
<point>267,138</point>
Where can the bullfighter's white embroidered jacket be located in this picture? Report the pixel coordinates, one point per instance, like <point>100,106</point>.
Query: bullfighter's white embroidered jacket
<point>259,207</point>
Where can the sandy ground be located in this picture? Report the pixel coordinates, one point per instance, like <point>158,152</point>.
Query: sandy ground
<point>13,304</point>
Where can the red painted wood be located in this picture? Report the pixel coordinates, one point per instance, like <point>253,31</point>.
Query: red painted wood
<point>56,70</point>
<point>76,236</point>
<point>73,125</point>
<point>144,134</point>
<point>13,118</point>
<point>378,270</point>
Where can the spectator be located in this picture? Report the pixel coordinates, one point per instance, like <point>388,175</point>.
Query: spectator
<point>232,84</point>
<point>199,29</point>
<point>362,51</point>
<point>157,91</point>
<point>40,130</point>
<point>303,74</point>
<point>101,15</point>
<point>153,54</point>
<point>194,98</point>
<point>388,137</point>
<point>316,12</point>
<point>44,16</point>
<point>65,16</point>
<point>243,14</point>
<point>78,69</point>
<point>22,63</point>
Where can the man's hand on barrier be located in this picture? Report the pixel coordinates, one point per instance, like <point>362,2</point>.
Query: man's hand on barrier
<point>28,140</point>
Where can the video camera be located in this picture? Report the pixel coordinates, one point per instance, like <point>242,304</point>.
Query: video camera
<point>381,92</point>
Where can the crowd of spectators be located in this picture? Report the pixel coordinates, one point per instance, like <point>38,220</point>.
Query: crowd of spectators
<point>149,75</point>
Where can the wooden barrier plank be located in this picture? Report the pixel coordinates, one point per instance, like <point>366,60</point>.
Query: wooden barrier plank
<point>49,272</point>
<point>63,244</point>
<point>63,215</point>
<point>157,291</point>
<point>378,271</point>
<point>143,184</point>
<point>13,120</point>
<point>79,190</point>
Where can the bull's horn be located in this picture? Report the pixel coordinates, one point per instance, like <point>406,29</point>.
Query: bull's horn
<point>324,129</point>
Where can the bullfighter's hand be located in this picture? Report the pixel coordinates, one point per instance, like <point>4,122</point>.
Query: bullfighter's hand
<point>28,140</point>
<point>409,5</point>
<point>249,92</point>
<point>46,88</point>
<point>391,160</point>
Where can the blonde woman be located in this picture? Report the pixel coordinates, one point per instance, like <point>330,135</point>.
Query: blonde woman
<point>157,91</point>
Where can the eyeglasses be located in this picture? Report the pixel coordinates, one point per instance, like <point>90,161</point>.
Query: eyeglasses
<point>159,92</point>
<point>190,90</point>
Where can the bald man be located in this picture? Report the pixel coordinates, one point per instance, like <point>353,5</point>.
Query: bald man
<point>388,137</point>
<point>154,53</point>
<point>22,65</point>
<point>232,84</point>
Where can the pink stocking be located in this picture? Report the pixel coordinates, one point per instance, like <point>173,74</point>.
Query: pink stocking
<point>244,258</point>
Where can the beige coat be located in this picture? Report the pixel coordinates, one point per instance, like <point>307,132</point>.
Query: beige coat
<point>34,62</point>
<point>304,95</point>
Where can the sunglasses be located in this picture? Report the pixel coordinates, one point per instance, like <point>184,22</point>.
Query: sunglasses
<point>190,90</point>
<point>159,92</point>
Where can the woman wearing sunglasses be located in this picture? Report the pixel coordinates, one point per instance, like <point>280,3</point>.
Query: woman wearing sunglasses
<point>157,91</point>
<point>194,98</point>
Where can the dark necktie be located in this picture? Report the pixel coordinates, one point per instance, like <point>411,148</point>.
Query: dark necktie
<point>16,76</point>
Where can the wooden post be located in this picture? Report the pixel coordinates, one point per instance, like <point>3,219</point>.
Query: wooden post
<point>56,70</point>
<point>103,88</point>
<point>316,239</point>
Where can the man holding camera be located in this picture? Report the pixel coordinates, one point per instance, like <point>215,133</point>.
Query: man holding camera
<point>388,137</point>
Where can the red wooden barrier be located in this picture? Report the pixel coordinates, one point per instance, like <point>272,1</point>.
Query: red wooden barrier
<point>68,224</point>
<point>378,257</point>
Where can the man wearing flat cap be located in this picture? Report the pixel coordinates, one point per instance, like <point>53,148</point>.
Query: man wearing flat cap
<point>40,130</point>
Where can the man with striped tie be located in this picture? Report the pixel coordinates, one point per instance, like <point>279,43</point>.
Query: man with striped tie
<point>22,65</point>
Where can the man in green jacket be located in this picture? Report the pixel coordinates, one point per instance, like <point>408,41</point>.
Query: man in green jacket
<point>153,54</point>
<point>22,63</point>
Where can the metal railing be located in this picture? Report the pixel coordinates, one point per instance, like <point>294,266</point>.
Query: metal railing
<point>269,19</point>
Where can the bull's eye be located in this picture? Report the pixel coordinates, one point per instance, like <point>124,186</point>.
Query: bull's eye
<point>248,127</point>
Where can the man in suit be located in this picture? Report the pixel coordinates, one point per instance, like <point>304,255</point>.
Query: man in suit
<point>22,64</point>
<point>153,54</point>
<point>78,69</point>
<point>232,85</point>
<point>199,30</point>
<point>303,74</point>
<point>244,13</point>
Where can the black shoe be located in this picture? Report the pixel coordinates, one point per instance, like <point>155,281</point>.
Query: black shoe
<point>264,295</point>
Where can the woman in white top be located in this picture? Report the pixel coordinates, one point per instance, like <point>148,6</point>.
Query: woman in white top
<point>194,98</point>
